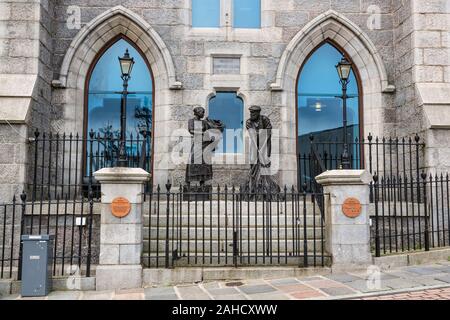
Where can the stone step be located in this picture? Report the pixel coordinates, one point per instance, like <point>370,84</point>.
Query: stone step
<point>215,221</point>
<point>245,233</point>
<point>227,206</point>
<point>214,246</point>
<point>242,260</point>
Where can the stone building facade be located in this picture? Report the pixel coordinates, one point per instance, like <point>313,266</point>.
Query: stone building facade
<point>400,49</point>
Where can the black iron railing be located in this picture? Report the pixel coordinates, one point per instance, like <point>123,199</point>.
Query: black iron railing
<point>410,214</point>
<point>227,227</point>
<point>384,156</point>
<point>65,163</point>
<point>73,224</point>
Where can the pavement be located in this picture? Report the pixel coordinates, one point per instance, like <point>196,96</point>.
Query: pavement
<point>406,283</point>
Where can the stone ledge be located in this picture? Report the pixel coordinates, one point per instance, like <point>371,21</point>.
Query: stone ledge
<point>411,258</point>
<point>344,177</point>
<point>121,175</point>
<point>161,276</point>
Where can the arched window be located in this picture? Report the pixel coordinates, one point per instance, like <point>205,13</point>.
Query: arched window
<point>229,108</point>
<point>320,110</point>
<point>104,102</point>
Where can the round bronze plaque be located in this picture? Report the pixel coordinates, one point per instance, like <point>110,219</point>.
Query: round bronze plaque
<point>351,208</point>
<point>120,207</point>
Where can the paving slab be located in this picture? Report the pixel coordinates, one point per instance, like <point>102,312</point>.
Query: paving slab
<point>269,296</point>
<point>362,285</point>
<point>129,296</point>
<point>383,276</point>
<point>231,297</point>
<point>423,270</point>
<point>97,295</point>
<point>211,285</point>
<point>338,291</point>
<point>288,281</point>
<point>192,293</point>
<point>445,278</point>
<point>305,279</point>
<point>401,283</point>
<point>223,291</point>
<point>345,277</point>
<point>163,297</point>
<point>64,295</point>
<point>256,289</point>
<point>150,292</point>
<point>324,284</point>
<point>311,294</point>
<point>293,288</point>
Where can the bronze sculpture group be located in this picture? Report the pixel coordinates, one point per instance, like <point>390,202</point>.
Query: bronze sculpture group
<point>206,134</point>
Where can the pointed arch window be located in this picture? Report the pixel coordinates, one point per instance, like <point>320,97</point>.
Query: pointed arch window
<point>103,101</point>
<point>319,110</point>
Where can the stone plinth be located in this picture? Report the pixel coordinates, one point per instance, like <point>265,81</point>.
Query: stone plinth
<point>121,238</point>
<point>347,239</point>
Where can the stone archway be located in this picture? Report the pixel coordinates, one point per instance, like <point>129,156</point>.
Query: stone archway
<point>82,53</point>
<point>340,30</point>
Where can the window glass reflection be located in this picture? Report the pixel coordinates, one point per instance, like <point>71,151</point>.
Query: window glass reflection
<point>104,104</point>
<point>320,112</point>
<point>247,13</point>
<point>205,13</point>
<point>229,108</point>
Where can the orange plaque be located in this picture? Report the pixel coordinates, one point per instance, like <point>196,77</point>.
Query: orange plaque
<point>120,207</point>
<point>351,208</point>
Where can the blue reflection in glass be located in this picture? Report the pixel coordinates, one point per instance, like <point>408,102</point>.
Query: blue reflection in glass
<point>105,86</point>
<point>247,13</point>
<point>229,108</point>
<point>205,13</point>
<point>320,112</point>
<point>104,104</point>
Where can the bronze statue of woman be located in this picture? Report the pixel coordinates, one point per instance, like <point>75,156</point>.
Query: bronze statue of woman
<point>203,132</point>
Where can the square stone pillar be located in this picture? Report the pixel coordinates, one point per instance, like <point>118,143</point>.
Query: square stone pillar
<point>347,238</point>
<point>121,239</point>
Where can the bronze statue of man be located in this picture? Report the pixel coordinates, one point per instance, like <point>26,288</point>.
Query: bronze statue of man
<point>260,132</point>
<point>204,132</point>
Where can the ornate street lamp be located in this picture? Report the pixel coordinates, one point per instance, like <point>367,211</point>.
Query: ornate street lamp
<point>344,67</point>
<point>126,66</point>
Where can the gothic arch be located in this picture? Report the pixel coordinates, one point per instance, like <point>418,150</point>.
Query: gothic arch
<point>86,46</point>
<point>334,27</point>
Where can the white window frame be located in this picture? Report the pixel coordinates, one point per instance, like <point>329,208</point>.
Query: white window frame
<point>267,32</point>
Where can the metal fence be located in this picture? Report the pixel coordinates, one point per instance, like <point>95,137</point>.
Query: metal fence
<point>226,227</point>
<point>73,224</point>
<point>410,214</point>
<point>384,156</point>
<point>64,163</point>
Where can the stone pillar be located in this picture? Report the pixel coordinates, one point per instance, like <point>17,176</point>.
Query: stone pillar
<point>121,239</point>
<point>347,239</point>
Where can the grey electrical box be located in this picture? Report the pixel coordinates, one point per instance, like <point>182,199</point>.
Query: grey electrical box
<point>37,254</point>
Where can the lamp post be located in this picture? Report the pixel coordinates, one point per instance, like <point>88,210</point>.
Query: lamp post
<point>344,67</point>
<point>126,66</point>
